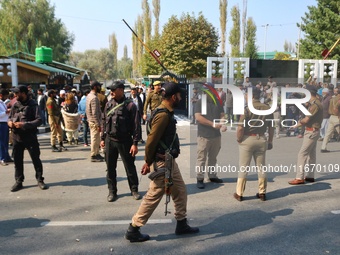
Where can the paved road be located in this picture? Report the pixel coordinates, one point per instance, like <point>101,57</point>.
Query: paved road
<point>73,217</point>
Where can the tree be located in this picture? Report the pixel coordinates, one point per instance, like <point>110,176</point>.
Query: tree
<point>286,46</point>
<point>149,64</point>
<point>250,47</point>
<point>282,56</point>
<point>137,47</point>
<point>27,24</point>
<point>114,49</point>
<point>223,23</point>
<point>244,25</point>
<point>156,11</point>
<point>321,26</point>
<point>147,21</point>
<point>99,63</point>
<point>187,42</point>
<point>235,34</point>
<point>124,66</point>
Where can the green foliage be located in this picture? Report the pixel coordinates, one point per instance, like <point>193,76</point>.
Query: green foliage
<point>223,23</point>
<point>27,24</point>
<point>321,26</point>
<point>186,43</point>
<point>235,32</point>
<point>282,56</point>
<point>251,48</point>
<point>100,63</point>
<point>124,66</point>
<point>149,64</point>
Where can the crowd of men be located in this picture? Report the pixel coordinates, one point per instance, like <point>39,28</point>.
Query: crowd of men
<point>114,124</point>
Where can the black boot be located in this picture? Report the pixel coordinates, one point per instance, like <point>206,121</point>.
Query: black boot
<point>134,235</point>
<point>55,149</point>
<point>183,228</point>
<point>62,147</point>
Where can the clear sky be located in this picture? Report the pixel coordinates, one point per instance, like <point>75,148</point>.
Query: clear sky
<point>92,21</point>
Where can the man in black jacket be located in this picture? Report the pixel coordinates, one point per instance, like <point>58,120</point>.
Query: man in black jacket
<point>24,119</point>
<point>121,129</point>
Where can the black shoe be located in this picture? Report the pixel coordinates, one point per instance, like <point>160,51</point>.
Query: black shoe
<point>17,186</point>
<point>134,235</point>
<point>9,160</point>
<point>183,228</point>
<point>3,163</point>
<point>135,195</point>
<point>42,185</point>
<point>95,159</point>
<point>62,148</point>
<point>200,184</point>
<point>100,157</point>
<point>325,151</point>
<point>112,196</point>
<point>262,197</point>
<point>216,180</point>
<point>142,141</point>
<point>55,149</point>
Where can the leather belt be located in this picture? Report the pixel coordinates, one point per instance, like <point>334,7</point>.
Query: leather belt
<point>311,129</point>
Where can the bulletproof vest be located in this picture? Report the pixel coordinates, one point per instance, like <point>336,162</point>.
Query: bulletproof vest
<point>118,120</point>
<point>169,140</point>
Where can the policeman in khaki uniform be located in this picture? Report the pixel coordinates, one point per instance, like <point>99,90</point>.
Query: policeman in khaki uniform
<point>153,99</point>
<point>162,135</point>
<point>333,123</point>
<point>253,144</point>
<point>307,153</point>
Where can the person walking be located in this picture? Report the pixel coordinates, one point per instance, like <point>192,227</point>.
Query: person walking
<point>253,143</point>
<point>153,99</point>
<point>162,140</point>
<point>307,154</point>
<point>195,97</point>
<point>82,112</point>
<point>71,118</point>
<point>42,98</point>
<point>333,123</point>
<point>24,120</point>
<point>54,120</point>
<point>5,158</point>
<point>94,116</point>
<point>208,138</point>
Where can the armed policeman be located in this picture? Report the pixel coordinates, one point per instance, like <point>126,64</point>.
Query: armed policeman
<point>162,145</point>
<point>121,126</point>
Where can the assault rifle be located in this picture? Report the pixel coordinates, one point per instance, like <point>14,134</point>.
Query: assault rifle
<point>168,178</point>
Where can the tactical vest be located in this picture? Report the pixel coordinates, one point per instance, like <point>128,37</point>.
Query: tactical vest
<point>118,120</point>
<point>169,140</point>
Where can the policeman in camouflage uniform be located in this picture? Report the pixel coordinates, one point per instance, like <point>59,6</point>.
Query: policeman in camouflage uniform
<point>253,144</point>
<point>24,119</point>
<point>121,133</point>
<point>153,99</point>
<point>162,135</point>
<point>307,154</point>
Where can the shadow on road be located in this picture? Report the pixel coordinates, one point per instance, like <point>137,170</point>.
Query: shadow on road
<point>10,227</point>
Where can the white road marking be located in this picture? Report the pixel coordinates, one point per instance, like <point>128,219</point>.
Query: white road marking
<point>94,223</point>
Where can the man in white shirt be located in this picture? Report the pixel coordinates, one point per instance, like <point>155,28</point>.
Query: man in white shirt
<point>4,130</point>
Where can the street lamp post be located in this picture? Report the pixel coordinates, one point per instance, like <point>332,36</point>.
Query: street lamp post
<point>265,40</point>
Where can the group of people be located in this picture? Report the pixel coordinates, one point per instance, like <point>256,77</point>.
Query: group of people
<point>116,127</point>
